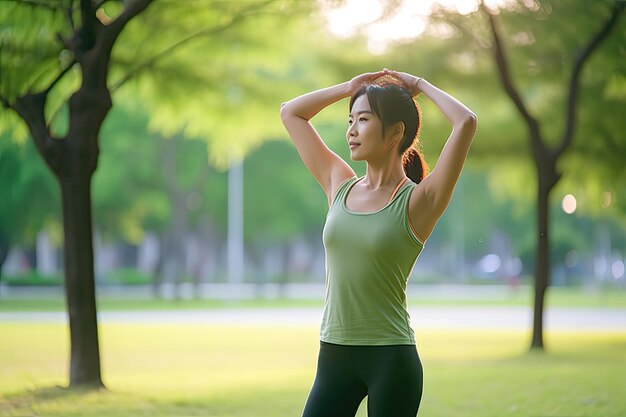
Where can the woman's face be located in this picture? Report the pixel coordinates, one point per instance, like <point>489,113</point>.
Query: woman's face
<point>365,133</point>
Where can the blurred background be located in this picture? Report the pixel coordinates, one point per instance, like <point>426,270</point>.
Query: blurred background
<point>208,261</point>
<point>197,184</point>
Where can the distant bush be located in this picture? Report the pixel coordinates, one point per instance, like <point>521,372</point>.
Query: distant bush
<point>33,279</point>
<point>126,277</point>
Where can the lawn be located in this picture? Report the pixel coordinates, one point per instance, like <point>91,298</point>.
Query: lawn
<point>576,297</point>
<point>237,371</point>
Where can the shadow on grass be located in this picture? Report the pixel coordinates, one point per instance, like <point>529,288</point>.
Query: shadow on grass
<point>53,393</point>
<point>608,350</point>
<point>57,401</point>
<point>83,401</point>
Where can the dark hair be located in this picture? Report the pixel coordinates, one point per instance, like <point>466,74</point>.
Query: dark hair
<point>392,103</point>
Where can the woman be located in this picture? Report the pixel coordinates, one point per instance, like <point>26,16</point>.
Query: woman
<point>375,228</point>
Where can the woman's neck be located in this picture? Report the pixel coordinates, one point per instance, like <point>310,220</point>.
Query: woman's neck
<point>387,173</point>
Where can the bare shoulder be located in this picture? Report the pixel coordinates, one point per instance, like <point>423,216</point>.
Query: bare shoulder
<point>336,181</point>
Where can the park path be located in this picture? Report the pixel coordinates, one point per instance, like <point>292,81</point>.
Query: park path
<point>439,317</point>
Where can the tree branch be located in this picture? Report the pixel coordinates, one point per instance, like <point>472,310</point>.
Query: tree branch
<point>84,38</point>
<point>95,61</point>
<point>466,32</point>
<point>112,31</point>
<point>507,83</point>
<point>204,32</point>
<point>58,78</point>
<point>87,32</point>
<point>5,102</point>
<point>574,83</point>
<point>47,91</point>
<point>32,103</point>
<point>30,108</point>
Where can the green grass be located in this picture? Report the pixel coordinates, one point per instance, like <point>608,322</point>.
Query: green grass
<point>266,371</point>
<point>120,304</point>
<point>556,297</point>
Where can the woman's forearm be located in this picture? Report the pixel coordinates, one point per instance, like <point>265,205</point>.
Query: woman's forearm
<point>455,111</point>
<point>308,105</point>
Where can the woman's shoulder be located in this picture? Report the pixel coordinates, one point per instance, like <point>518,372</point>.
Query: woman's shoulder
<point>341,187</point>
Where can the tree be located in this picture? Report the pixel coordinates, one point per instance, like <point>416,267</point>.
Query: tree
<point>50,53</point>
<point>546,156</point>
<point>73,160</point>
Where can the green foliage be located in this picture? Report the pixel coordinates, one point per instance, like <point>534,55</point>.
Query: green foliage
<point>32,57</point>
<point>211,72</point>
<point>30,49</point>
<point>542,40</point>
<point>220,83</point>
<point>224,84</point>
<point>33,279</point>
<point>127,187</point>
<point>282,200</point>
<point>127,277</point>
<point>138,172</point>
<point>30,198</point>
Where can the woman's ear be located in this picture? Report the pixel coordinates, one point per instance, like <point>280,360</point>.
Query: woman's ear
<point>397,132</point>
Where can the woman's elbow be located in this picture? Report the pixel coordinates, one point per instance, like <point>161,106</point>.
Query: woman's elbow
<point>471,119</point>
<point>469,123</point>
<point>283,109</point>
<point>289,113</point>
<point>285,112</point>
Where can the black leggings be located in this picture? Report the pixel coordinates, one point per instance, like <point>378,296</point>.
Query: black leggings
<point>390,377</point>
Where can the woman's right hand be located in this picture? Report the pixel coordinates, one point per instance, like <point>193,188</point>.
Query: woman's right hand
<point>366,78</point>
<point>410,81</point>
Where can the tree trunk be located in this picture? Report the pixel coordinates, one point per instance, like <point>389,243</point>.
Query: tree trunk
<point>79,280</point>
<point>547,178</point>
<point>542,266</point>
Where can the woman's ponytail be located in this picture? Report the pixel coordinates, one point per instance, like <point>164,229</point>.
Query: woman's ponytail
<point>414,165</point>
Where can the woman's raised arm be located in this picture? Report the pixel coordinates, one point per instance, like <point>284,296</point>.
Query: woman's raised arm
<point>435,191</point>
<point>326,166</point>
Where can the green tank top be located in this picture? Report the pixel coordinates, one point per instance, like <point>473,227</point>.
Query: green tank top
<point>369,257</point>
